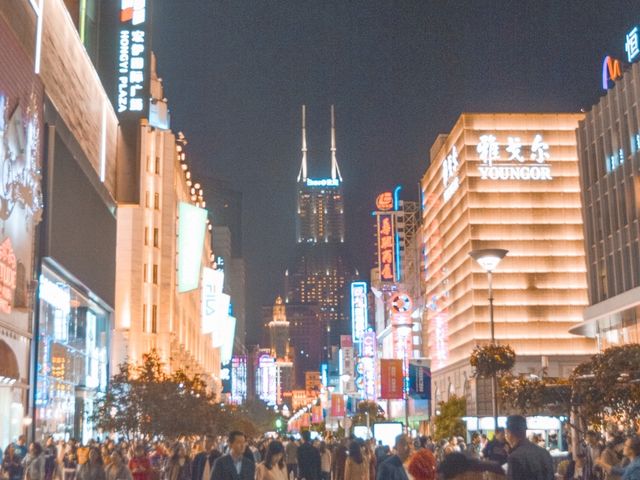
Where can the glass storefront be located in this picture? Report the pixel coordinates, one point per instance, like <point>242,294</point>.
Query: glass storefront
<point>72,359</point>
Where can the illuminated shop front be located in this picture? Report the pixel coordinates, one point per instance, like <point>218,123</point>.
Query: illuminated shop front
<point>506,181</point>
<point>72,358</point>
<point>20,213</point>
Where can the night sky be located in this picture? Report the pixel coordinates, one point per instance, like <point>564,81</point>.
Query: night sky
<point>399,72</point>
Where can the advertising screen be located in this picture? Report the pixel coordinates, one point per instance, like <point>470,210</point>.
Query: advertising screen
<point>387,432</point>
<point>191,231</point>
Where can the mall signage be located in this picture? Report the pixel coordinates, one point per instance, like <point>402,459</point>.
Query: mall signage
<point>386,247</point>
<point>359,312</point>
<point>133,59</point>
<point>518,161</point>
<point>450,180</point>
<point>632,44</point>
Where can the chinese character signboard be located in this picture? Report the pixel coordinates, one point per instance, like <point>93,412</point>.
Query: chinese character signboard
<point>520,160</point>
<point>337,405</point>
<point>386,247</point>
<point>632,44</point>
<point>133,59</point>
<point>391,379</point>
<point>419,381</point>
<point>359,312</point>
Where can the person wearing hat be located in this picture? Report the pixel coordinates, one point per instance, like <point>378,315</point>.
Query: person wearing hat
<point>527,461</point>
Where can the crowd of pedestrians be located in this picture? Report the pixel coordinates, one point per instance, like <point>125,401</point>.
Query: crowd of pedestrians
<point>508,455</point>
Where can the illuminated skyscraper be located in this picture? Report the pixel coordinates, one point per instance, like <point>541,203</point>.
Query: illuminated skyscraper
<point>320,274</point>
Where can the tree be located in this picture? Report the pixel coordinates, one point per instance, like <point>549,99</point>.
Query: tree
<point>376,414</point>
<point>490,360</point>
<point>449,421</point>
<point>536,395</point>
<point>607,387</point>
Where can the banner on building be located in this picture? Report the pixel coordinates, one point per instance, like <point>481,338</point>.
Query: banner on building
<point>316,414</point>
<point>391,379</point>
<point>359,311</point>
<point>337,405</point>
<point>386,247</point>
<point>419,380</point>
<point>346,341</point>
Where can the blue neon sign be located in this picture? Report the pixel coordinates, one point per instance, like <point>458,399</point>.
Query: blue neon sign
<point>324,182</point>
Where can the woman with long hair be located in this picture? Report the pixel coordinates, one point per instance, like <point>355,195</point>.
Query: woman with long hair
<point>179,464</point>
<point>273,467</point>
<point>356,468</point>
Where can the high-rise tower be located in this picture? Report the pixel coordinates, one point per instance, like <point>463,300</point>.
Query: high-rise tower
<point>321,273</point>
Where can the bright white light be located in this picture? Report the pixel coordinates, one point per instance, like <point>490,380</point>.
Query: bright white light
<point>489,263</point>
<point>632,44</point>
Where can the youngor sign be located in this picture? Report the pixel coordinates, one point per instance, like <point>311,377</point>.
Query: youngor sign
<point>520,162</point>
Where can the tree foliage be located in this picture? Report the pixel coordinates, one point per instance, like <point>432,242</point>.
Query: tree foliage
<point>449,421</point>
<point>607,387</point>
<point>532,395</point>
<point>376,414</point>
<point>490,360</point>
<point>144,400</point>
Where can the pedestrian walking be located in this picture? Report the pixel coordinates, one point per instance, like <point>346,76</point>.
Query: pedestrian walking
<point>496,450</point>
<point>117,468</point>
<point>202,464</point>
<point>12,464</point>
<point>393,468</point>
<point>34,462</point>
<point>234,465</point>
<point>526,461</point>
<point>93,469</point>
<point>632,452</point>
<point>178,465</point>
<point>357,466</point>
<point>291,454</point>
<point>339,461</point>
<point>422,465</point>
<point>325,462</point>
<point>273,467</point>
<point>139,464</point>
<point>308,459</point>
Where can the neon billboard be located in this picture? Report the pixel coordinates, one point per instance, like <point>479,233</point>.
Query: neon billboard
<point>359,312</point>
<point>386,247</point>
<point>133,61</point>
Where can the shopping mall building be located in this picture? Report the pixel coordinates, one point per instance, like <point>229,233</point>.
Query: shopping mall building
<point>507,181</point>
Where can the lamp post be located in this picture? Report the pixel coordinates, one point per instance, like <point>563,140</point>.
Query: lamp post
<point>488,259</point>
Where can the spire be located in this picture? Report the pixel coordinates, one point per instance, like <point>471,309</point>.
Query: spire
<point>302,175</point>
<point>335,170</point>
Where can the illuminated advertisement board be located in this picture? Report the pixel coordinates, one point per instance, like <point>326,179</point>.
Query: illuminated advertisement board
<point>266,379</point>
<point>359,320</point>
<point>386,247</point>
<point>133,59</point>
<point>238,379</point>
<point>192,223</point>
<point>522,159</point>
<point>228,335</point>
<point>212,317</point>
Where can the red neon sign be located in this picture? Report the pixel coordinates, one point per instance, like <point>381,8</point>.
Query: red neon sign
<point>386,247</point>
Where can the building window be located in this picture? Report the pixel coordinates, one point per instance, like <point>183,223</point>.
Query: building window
<point>156,237</point>
<point>149,164</point>
<point>144,317</point>
<point>155,274</point>
<point>154,319</point>
<point>157,166</point>
<point>147,197</point>
<point>144,273</point>
<point>156,201</point>
<point>146,236</point>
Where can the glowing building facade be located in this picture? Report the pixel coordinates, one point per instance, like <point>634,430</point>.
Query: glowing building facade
<point>503,181</point>
<point>609,150</point>
<point>320,273</point>
<point>163,245</point>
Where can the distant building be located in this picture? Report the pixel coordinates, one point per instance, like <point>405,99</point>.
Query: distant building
<point>306,334</point>
<point>320,273</point>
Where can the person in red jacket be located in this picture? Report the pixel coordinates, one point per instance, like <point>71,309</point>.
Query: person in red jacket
<point>139,465</point>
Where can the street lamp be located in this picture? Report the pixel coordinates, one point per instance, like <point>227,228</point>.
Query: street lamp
<point>488,259</point>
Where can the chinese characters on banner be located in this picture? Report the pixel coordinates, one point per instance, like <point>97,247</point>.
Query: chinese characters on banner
<point>316,414</point>
<point>337,405</point>
<point>386,247</point>
<point>359,319</point>
<point>132,57</point>
<point>391,379</point>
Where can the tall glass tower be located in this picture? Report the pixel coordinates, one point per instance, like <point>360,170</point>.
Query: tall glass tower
<point>321,274</point>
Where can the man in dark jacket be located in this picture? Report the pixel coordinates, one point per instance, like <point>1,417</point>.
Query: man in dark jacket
<point>202,465</point>
<point>308,459</point>
<point>234,465</point>
<point>393,467</point>
<point>526,461</point>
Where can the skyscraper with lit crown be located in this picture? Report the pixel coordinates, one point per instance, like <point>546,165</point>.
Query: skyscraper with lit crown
<point>320,273</point>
